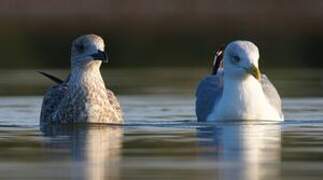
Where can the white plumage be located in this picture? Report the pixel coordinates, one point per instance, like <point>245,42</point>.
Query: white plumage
<point>241,92</point>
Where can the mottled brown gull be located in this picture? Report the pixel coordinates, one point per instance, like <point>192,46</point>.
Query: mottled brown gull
<point>83,96</point>
<point>238,91</point>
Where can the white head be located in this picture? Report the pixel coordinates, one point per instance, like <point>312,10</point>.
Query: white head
<point>87,50</point>
<point>241,60</point>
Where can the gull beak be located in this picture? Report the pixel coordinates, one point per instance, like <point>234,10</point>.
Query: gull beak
<point>255,72</point>
<point>100,55</point>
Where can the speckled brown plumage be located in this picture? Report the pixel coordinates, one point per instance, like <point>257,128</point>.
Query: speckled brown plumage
<point>83,97</point>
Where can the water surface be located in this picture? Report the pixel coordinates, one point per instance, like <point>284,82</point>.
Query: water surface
<point>162,140</point>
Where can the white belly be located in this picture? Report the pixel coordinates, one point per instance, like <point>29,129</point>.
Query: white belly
<point>247,102</point>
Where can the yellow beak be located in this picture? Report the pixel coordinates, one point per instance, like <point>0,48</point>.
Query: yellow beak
<point>255,72</point>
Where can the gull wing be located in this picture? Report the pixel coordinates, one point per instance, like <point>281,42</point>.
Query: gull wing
<point>271,93</point>
<point>114,103</point>
<point>208,94</point>
<point>52,99</point>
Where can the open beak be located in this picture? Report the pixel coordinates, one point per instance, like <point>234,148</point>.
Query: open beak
<point>255,72</point>
<point>100,55</point>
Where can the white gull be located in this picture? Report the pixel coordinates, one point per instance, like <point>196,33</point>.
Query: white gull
<point>238,91</point>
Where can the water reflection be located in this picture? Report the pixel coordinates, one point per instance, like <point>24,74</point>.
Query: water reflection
<point>95,150</point>
<point>244,151</point>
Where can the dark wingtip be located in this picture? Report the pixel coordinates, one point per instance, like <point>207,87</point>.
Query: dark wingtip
<point>51,77</point>
<point>218,59</point>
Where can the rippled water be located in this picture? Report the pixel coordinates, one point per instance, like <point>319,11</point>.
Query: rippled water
<point>161,138</point>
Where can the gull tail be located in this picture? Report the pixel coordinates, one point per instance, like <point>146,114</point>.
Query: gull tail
<point>51,77</point>
<point>218,60</point>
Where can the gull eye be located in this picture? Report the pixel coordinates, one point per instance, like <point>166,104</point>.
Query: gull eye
<point>236,59</point>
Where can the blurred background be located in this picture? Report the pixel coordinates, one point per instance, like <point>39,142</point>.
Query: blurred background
<point>159,50</point>
<point>159,34</point>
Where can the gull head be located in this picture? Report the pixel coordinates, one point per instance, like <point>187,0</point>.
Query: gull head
<point>241,60</point>
<point>88,50</point>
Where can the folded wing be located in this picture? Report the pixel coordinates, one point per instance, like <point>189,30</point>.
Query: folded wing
<point>271,94</point>
<point>208,94</point>
<point>115,104</point>
<point>51,101</point>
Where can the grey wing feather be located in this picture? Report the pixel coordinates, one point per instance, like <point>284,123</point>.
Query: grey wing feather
<point>114,103</point>
<point>271,93</point>
<point>208,94</point>
<point>51,100</point>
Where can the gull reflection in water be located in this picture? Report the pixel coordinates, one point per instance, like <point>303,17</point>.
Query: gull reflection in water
<point>95,150</point>
<point>245,151</point>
